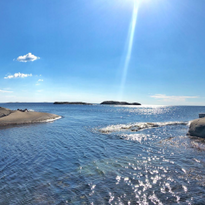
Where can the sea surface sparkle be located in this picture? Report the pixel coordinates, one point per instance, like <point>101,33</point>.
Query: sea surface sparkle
<point>99,154</point>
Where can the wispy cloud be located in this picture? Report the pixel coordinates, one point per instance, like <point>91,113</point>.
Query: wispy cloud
<point>172,98</point>
<point>18,75</point>
<point>38,82</point>
<point>5,91</point>
<point>28,57</point>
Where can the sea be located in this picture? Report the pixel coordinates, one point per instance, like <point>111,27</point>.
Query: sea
<point>103,154</point>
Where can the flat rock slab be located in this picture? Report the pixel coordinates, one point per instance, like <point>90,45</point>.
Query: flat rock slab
<point>197,128</point>
<point>11,117</point>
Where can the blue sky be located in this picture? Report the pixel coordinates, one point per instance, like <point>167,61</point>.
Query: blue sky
<point>75,50</point>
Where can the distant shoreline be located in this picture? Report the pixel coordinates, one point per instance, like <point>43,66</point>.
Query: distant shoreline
<point>118,103</point>
<point>98,103</point>
<point>72,103</point>
<point>102,103</point>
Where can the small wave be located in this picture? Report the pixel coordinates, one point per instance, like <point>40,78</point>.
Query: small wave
<point>138,126</point>
<point>51,120</point>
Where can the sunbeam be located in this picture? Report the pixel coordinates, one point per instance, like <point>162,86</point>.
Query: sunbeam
<point>129,47</point>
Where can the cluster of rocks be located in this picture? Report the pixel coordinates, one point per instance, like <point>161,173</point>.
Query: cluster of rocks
<point>25,110</point>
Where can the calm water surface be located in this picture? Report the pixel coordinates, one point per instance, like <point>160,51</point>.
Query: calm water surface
<point>103,155</point>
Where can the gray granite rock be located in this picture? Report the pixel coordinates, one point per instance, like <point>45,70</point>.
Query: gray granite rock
<point>197,128</point>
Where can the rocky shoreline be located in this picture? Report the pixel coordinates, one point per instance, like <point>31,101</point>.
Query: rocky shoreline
<point>16,117</point>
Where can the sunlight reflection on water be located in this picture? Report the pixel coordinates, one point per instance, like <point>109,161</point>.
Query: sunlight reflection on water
<point>70,161</point>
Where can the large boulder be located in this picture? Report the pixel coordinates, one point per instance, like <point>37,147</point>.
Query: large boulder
<point>197,128</point>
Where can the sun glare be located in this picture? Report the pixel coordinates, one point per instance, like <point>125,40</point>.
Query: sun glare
<point>129,46</point>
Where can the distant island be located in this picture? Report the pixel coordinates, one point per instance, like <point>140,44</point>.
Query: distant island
<point>73,103</point>
<point>118,103</point>
<point>103,103</point>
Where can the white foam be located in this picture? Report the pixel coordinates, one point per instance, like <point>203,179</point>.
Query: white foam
<point>189,123</point>
<point>51,120</point>
<point>138,126</point>
<point>134,137</point>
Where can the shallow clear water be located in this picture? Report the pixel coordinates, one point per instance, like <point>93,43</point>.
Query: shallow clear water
<point>103,155</point>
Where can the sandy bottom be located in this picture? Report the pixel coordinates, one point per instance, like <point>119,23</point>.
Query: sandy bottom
<point>16,117</point>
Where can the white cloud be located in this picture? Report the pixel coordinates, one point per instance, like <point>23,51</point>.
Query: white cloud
<point>38,82</point>
<point>28,57</point>
<point>18,75</point>
<point>5,91</point>
<point>172,98</point>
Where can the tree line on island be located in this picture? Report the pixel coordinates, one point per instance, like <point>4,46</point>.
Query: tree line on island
<point>102,103</point>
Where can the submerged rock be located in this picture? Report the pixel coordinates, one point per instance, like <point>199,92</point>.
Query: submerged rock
<point>197,128</point>
<point>118,103</point>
